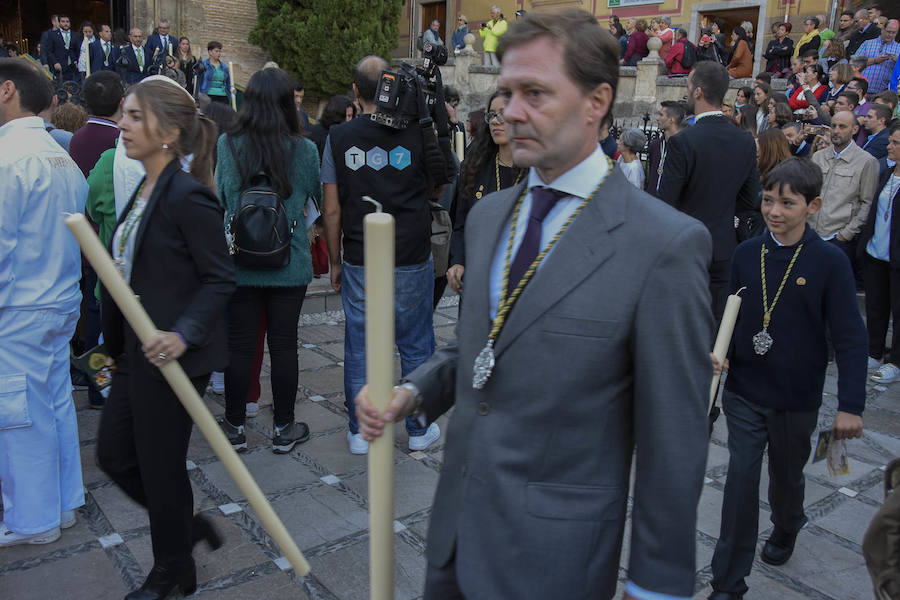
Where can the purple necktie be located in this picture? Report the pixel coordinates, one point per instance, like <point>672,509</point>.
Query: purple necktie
<point>542,200</point>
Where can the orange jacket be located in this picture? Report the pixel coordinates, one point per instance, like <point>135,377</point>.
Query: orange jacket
<point>741,64</point>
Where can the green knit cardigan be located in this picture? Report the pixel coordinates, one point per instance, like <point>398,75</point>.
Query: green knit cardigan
<point>306,184</point>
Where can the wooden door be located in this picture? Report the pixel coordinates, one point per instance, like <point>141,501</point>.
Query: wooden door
<point>432,11</point>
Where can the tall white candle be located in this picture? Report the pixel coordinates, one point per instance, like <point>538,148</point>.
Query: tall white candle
<point>140,321</point>
<point>233,96</point>
<point>460,142</point>
<point>723,340</point>
<point>378,239</point>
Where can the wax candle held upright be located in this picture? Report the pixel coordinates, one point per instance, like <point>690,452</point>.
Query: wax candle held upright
<point>723,340</point>
<point>378,241</point>
<point>459,141</point>
<point>233,96</point>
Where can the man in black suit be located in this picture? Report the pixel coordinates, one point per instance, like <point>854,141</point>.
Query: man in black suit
<point>710,171</point>
<point>158,43</point>
<point>876,122</point>
<point>63,50</point>
<point>668,118</point>
<point>137,57</point>
<point>45,41</point>
<point>103,52</point>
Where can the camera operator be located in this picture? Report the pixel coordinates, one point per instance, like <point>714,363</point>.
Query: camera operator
<point>365,158</point>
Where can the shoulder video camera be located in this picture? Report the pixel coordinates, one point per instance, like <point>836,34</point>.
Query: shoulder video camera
<point>410,94</point>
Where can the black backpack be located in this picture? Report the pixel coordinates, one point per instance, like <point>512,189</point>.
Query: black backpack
<point>259,230</point>
<point>689,58</point>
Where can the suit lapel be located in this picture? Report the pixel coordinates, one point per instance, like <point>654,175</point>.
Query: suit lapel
<point>584,246</point>
<point>483,244</point>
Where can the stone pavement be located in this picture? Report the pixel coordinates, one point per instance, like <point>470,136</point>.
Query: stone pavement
<point>319,490</point>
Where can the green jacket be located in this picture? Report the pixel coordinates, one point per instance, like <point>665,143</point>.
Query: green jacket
<point>101,200</point>
<point>492,33</point>
<point>306,184</point>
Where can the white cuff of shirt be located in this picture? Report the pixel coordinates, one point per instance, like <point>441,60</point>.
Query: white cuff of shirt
<point>642,594</point>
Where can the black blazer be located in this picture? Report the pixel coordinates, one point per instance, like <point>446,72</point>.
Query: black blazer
<point>869,229</point>
<point>132,73</point>
<point>99,61</point>
<point>57,52</point>
<point>710,174</point>
<point>877,146</point>
<point>45,47</point>
<point>654,155</point>
<point>181,271</point>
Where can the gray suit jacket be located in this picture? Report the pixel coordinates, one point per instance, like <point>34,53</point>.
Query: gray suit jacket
<point>606,349</point>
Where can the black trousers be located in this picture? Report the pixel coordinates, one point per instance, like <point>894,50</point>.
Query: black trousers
<point>142,445</point>
<point>750,428</point>
<point>282,306</point>
<point>849,249</point>
<point>718,286</point>
<point>882,303</point>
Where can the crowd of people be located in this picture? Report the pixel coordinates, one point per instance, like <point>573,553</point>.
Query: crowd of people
<point>215,218</point>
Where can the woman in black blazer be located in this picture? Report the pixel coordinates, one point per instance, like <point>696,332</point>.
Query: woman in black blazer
<point>879,252</point>
<point>169,246</point>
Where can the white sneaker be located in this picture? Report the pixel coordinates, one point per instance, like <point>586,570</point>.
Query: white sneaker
<point>11,538</point>
<point>886,373</point>
<point>67,519</point>
<point>252,409</point>
<point>217,382</point>
<point>357,444</point>
<point>873,364</point>
<point>421,442</point>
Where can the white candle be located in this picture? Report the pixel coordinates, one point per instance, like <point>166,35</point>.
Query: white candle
<point>233,97</point>
<point>140,321</point>
<point>170,48</point>
<point>460,142</point>
<point>379,257</point>
<point>723,340</point>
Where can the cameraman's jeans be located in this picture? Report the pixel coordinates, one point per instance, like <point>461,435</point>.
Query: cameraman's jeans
<point>413,326</point>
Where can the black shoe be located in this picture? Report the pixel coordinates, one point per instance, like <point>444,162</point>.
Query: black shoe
<point>162,581</point>
<point>285,438</point>
<point>778,547</point>
<point>202,530</point>
<point>235,435</point>
<point>725,596</point>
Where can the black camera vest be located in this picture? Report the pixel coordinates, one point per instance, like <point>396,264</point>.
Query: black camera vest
<point>388,165</point>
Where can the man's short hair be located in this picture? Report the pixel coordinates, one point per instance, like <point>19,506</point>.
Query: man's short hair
<point>851,97</point>
<point>890,97</point>
<point>673,109</point>
<point>848,13</point>
<point>712,78</point>
<point>366,75</point>
<point>103,92</point>
<point>590,52</point>
<point>858,61</point>
<point>764,77</point>
<point>451,93</point>
<point>299,86</point>
<point>34,89</point>
<point>161,21</point>
<point>213,45</point>
<point>863,85</point>
<point>799,175</point>
<point>793,125</point>
<point>810,54</point>
<point>720,23</point>
<point>883,112</point>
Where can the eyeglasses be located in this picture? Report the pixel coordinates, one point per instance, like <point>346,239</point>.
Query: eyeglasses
<point>490,116</point>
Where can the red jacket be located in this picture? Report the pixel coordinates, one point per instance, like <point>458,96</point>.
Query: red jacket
<point>674,58</point>
<point>798,101</point>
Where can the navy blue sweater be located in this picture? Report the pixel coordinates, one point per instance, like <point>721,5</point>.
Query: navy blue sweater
<point>820,294</point>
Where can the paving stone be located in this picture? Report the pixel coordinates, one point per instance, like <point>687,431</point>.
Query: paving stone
<point>329,380</point>
<point>273,473</point>
<point>335,349</point>
<point>275,586</point>
<point>71,538</point>
<point>86,576</point>
<point>346,572</point>
<point>317,416</point>
<point>309,359</point>
<point>709,513</point>
<point>333,453</point>
<point>88,424</point>
<point>414,486</point>
<point>318,515</point>
<point>829,568</point>
<point>716,457</point>
<point>849,520</point>
<point>812,494</point>
<point>317,334</point>
<point>123,513</point>
<point>858,470</point>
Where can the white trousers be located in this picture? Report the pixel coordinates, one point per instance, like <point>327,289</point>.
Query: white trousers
<point>40,461</point>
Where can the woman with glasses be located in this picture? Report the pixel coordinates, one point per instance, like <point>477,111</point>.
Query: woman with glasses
<point>458,39</point>
<point>488,168</point>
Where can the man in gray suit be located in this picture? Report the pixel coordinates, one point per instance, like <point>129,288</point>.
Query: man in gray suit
<point>605,348</point>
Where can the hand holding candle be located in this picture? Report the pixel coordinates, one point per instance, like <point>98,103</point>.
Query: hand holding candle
<point>723,340</point>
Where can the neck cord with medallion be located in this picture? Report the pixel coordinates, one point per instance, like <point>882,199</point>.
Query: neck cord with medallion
<point>497,172</point>
<point>131,221</point>
<point>484,362</point>
<point>762,341</point>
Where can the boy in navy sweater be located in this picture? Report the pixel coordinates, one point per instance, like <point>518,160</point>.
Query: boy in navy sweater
<point>778,359</point>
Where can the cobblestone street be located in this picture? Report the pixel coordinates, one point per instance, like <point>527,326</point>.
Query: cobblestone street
<point>319,490</point>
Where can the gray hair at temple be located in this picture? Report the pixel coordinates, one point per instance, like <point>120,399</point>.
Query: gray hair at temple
<point>667,20</point>
<point>164,22</point>
<point>634,139</point>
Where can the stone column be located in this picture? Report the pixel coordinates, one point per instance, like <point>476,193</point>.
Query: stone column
<point>648,69</point>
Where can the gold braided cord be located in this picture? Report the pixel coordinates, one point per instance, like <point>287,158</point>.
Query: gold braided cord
<point>506,303</point>
<point>767,310</point>
<point>497,172</point>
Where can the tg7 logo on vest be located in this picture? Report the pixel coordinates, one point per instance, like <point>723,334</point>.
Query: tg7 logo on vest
<point>377,158</point>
